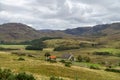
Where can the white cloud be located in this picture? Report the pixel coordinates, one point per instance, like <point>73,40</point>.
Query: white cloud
<point>59,14</point>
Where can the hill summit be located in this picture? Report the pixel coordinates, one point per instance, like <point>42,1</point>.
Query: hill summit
<point>17,31</point>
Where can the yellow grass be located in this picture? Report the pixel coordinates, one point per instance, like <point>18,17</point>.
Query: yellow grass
<point>43,70</point>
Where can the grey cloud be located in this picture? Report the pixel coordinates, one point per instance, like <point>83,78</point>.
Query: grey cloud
<point>60,14</point>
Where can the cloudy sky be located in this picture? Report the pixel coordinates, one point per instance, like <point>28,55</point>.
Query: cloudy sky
<point>59,14</point>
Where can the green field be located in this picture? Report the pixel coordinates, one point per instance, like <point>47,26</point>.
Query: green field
<point>13,46</point>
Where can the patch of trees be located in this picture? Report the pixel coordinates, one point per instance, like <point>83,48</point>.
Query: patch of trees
<point>93,66</point>
<point>21,59</point>
<point>65,47</point>
<point>7,74</point>
<point>36,45</point>
<point>103,53</point>
<point>47,54</point>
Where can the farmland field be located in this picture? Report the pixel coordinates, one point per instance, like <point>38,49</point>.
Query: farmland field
<point>13,46</point>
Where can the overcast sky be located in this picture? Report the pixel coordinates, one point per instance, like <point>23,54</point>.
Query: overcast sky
<point>59,14</point>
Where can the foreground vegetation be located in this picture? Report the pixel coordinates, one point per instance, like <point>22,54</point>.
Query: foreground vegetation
<point>7,74</point>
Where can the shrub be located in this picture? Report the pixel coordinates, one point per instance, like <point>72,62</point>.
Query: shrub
<point>112,70</point>
<point>47,54</point>
<point>83,59</point>
<point>24,76</point>
<point>86,59</point>
<point>7,74</point>
<point>68,64</point>
<point>79,58</point>
<point>103,53</point>
<point>21,59</point>
<point>55,78</point>
<point>62,61</point>
<point>94,67</point>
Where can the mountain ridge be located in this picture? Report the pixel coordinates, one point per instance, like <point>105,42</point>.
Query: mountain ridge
<point>97,30</point>
<point>22,32</point>
<point>19,31</point>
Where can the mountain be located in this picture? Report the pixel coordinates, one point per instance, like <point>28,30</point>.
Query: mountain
<point>78,31</point>
<point>96,31</point>
<point>17,31</point>
<point>22,32</point>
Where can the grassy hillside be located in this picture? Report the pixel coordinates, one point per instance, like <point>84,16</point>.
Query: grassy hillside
<point>67,41</point>
<point>43,70</point>
<point>103,52</point>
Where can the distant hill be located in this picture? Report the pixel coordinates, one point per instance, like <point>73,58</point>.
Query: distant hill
<point>96,31</point>
<point>17,31</point>
<point>55,33</point>
<point>21,32</point>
